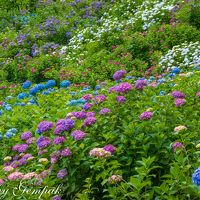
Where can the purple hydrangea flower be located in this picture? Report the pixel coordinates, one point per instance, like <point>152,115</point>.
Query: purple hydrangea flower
<point>89,121</point>
<point>26,135</point>
<point>178,94</point>
<point>66,152</point>
<point>146,115</point>
<point>58,140</point>
<point>179,102</point>
<point>140,84</point>
<point>87,106</point>
<point>63,125</point>
<point>110,148</point>
<point>99,99</point>
<point>103,111</point>
<point>62,173</point>
<point>120,99</point>
<point>79,115</point>
<point>78,134</point>
<point>198,94</point>
<point>56,198</point>
<point>91,114</point>
<point>123,87</point>
<point>44,126</point>
<point>177,145</point>
<point>20,148</point>
<point>119,74</point>
<point>43,142</point>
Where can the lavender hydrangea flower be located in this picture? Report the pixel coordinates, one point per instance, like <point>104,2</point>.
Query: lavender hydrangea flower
<point>104,111</point>
<point>120,99</point>
<point>146,115</point>
<point>89,121</point>
<point>63,125</point>
<point>80,114</point>
<point>66,152</point>
<point>43,142</point>
<point>99,99</point>
<point>58,140</point>
<point>44,126</point>
<point>26,135</point>
<point>110,148</point>
<point>56,198</point>
<point>20,148</point>
<point>62,173</point>
<point>78,134</point>
<point>119,74</point>
<point>91,114</point>
<point>87,106</point>
<point>179,102</point>
<point>123,87</point>
<point>178,94</point>
<point>140,84</point>
<point>177,145</point>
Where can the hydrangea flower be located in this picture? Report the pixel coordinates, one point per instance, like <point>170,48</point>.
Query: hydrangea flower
<point>78,134</point>
<point>22,95</point>
<point>62,173</point>
<point>196,177</point>
<point>66,152</point>
<point>120,99</point>
<point>87,106</point>
<point>114,179</point>
<point>110,148</point>
<point>104,111</point>
<point>43,142</point>
<point>63,125</point>
<point>56,198</point>
<point>26,135</point>
<point>99,99</point>
<point>179,102</point>
<point>198,94</point>
<point>87,97</point>
<point>65,83</point>
<point>177,145</point>
<point>89,121</point>
<point>44,126</point>
<point>99,153</point>
<point>146,115</point>
<point>179,128</point>
<point>58,140</point>
<point>119,74</point>
<point>123,87</point>
<point>20,148</point>
<point>140,84</point>
<point>178,94</point>
<point>2,182</point>
<point>50,83</point>
<point>26,84</point>
<point>15,175</point>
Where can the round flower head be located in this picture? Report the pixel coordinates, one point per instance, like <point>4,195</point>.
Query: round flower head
<point>65,152</point>
<point>62,173</point>
<point>90,114</point>
<point>87,97</point>
<point>44,126</point>
<point>114,179</point>
<point>89,121</point>
<point>99,153</point>
<point>87,106</point>
<point>198,94</point>
<point>56,198</point>
<point>120,99</point>
<point>26,135</point>
<point>139,84</point>
<point>43,142</point>
<point>29,176</point>
<point>110,148</point>
<point>178,94</point>
<point>1,182</point>
<point>146,115</point>
<point>180,128</point>
<point>43,160</point>
<point>177,145</point>
<point>58,140</point>
<point>196,177</point>
<point>15,175</point>
<point>99,99</point>
<point>78,134</point>
<point>179,102</point>
<point>20,148</point>
<point>119,74</point>
<point>123,87</point>
<point>104,111</point>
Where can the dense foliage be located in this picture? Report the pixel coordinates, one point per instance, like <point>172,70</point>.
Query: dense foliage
<point>99,99</point>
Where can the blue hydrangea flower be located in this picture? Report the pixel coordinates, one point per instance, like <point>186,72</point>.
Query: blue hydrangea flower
<point>162,93</point>
<point>1,112</point>
<point>22,95</point>
<point>171,75</point>
<point>196,68</point>
<point>65,83</point>
<point>129,77</point>
<point>9,134</point>
<point>176,70</point>
<point>13,130</point>
<point>72,93</point>
<point>8,107</point>
<point>50,83</point>
<point>95,93</point>
<point>196,177</point>
<point>26,85</point>
<point>98,87</point>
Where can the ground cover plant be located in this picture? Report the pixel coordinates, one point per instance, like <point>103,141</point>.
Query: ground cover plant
<point>99,99</point>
